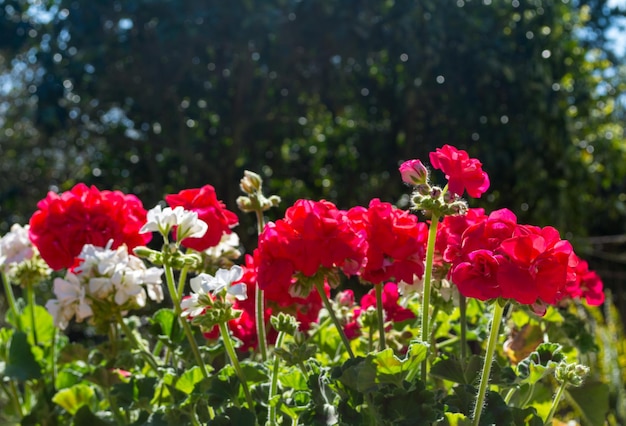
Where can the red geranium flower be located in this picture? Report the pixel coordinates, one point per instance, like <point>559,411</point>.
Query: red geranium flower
<point>204,202</point>
<point>463,173</point>
<point>66,222</point>
<point>394,312</point>
<point>396,242</point>
<point>312,235</point>
<point>588,285</point>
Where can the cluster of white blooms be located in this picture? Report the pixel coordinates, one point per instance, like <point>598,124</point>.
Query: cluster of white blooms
<point>228,248</point>
<point>162,220</point>
<point>105,275</point>
<point>205,284</point>
<point>15,247</point>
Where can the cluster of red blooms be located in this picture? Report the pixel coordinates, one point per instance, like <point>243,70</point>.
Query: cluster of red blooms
<point>486,256</point>
<point>493,256</point>
<point>83,215</point>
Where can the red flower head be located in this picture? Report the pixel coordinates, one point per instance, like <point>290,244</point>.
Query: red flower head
<point>393,311</point>
<point>588,285</point>
<point>204,202</point>
<point>396,242</point>
<point>314,234</point>
<point>532,266</point>
<point>66,222</point>
<point>450,231</point>
<point>463,173</point>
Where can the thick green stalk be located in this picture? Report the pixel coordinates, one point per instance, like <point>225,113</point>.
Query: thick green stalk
<point>463,320</point>
<point>169,278</point>
<point>498,310</point>
<point>320,288</point>
<point>230,350</point>
<point>30,298</point>
<point>260,300</point>
<point>181,282</point>
<point>430,254</point>
<point>274,384</point>
<point>555,402</point>
<point>8,291</point>
<point>381,316</point>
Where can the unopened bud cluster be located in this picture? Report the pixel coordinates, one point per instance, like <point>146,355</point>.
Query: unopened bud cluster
<point>573,374</point>
<point>434,199</point>
<point>252,185</point>
<point>284,323</point>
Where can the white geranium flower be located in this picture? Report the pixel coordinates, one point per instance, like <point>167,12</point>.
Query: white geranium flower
<point>228,245</point>
<point>70,302</point>
<point>206,284</point>
<point>152,280</point>
<point>128,286</point>
<point>160,220</point>
<point>189,225</point>
<point>15,247</point>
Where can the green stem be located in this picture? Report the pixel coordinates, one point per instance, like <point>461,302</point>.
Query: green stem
<point>381,316</point>
<point>30,299</point>
<point>169,278</point>
<point>53,356</point>
<point>8,291</point>
<point>509,395</point>
<point>260,321</point>
<point>14,397</point>
<point>260,300</point>
<point>181,282</point>
<point>430,254</point>
<point>274,384</point>
<point>498,310</point>
<point>138,343</point>
<point>320,288</point>
<point>230,350</point>
<point>463,320</point>
<point>555,402</point>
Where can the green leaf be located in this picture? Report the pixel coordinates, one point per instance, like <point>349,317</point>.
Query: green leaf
<point>22,364</point>
<point>540,362</point>
<point>456,419</point>
<point>165,318</point>
<point>592,400</point>
<point>453,370</point>
<point>72,399</point>
<point>44,325</point>
<point>84,417</point>
<point>188,380</point>
<point>235,416</point>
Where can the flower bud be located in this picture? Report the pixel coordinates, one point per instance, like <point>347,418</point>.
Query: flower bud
<point>284,323</point>
<point>573,374</point>
<point>449,197</point>
<point>414,172</point>
<point>251,182</point>
<point>423,189</point>
<point>244,204</point>
<point>435,192</point>
<point>345,298</point>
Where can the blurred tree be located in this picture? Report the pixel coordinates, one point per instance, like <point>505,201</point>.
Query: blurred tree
<point>324,97</point>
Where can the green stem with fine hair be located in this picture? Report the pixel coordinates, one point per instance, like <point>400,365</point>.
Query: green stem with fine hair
<point>232,355</point>
<point>381,316</point>
<point>259,299</point>
<point>8,291</point>
<point>274,384</point>
<point>30,298</point>
<point>137,343</point>
<point>463,320</point>
<point>182,279</point>
<point>430,254</point>
<point>498,310</point>
<point>555,402</point>
<point>169,278</point>
<point>331,313</point>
